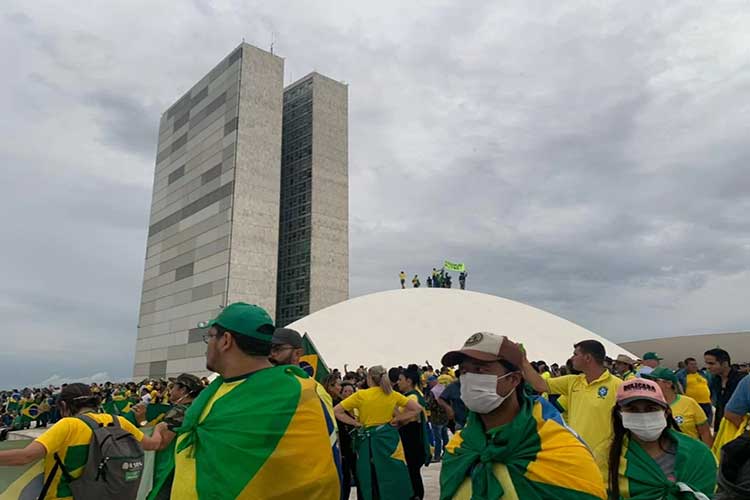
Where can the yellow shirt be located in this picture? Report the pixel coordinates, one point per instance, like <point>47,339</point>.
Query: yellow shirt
<point>445,379</point>
<point>697,388</point>
<point>688,415</point>
<point>375,406</point>
<point>588,407</point>
<point>70,438</point>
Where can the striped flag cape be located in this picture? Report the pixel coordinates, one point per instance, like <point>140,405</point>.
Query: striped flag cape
<point>534,457</point>
<point>381,446</point>
<point>268,438</point>
<point>641,478</point>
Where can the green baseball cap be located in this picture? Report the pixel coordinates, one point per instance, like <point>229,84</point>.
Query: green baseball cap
<point>245,319</point>
<point>652,355</point>
<point>662,373</point>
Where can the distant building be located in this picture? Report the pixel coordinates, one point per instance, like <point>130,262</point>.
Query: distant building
<point>674,349</point>
<point>313,235</point>
<point>218,206</point>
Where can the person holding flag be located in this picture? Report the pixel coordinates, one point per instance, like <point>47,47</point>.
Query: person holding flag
<point>258,430</point>
<point>514,445</point>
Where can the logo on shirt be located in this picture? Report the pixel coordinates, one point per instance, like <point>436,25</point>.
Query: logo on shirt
<point>679,419</point>
<point>602,392</point>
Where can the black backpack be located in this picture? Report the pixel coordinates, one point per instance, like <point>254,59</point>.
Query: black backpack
<point>114,467</point>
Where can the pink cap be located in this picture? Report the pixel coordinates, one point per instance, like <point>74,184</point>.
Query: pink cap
<point>640,388</point>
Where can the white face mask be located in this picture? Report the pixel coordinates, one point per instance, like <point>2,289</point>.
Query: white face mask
<point>479,392</point>
<point>646,426</point>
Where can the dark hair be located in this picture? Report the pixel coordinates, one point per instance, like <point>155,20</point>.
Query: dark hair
<point>78,397</point>
<point>720,354</point>
<point>593,348</point>
<point>688,360</point>
<point>330,382</point>
<point>619,433</point>
<point>411,374</point>
<point>393,374</point>
<point>249,345</point>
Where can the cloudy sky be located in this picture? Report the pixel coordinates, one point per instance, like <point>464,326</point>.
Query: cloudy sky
<point>590,159</point>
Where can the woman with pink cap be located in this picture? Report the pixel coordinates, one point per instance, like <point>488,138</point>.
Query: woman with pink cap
<point>649,457</point>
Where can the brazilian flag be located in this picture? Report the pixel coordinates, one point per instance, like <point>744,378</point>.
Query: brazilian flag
<point>642,478</point>
<point>269,443</point>
<point>541,456</point>
<point>311,361</point>
<point>117,406</point>
<point>154,414</point>
<point>14,405</point>
<point>30,411</point>
<point>379,450</point>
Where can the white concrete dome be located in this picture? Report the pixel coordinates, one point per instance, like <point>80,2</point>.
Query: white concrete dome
<point>398,327</point>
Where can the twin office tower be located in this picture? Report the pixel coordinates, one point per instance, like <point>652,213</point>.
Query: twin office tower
<point>250,203</point>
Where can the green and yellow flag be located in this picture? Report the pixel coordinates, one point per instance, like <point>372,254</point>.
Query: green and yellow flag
<point>534,457</point>
<point>22,482</point>
<point>154,414</point>
<point>379,448</point>
<point>457,267</point>
<point>118,405</point>
<point>313,359</point>
<point>641,478</point>
<point>262,428</point>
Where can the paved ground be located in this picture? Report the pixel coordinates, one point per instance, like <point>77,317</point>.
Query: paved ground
<point>431,479</point>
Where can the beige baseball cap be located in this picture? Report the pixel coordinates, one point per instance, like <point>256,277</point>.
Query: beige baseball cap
<point>486,346</point>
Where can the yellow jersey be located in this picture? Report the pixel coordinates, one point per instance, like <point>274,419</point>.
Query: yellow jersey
<point>70,438</point>
<point>697,388</point>
<point>588,406</point>
<point>688,415</point>
<point>375,406</point>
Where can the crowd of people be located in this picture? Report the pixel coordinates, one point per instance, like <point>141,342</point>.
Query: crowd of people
<point>438,279</point>
<point>502,426</point>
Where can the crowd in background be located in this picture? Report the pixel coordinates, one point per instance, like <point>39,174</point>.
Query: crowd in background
<point>620,409</point>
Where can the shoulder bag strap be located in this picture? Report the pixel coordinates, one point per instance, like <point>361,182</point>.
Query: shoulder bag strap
<point>51,477</point>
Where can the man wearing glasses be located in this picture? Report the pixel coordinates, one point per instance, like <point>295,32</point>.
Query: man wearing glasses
<point>255,423</point>
<point>286,349</point>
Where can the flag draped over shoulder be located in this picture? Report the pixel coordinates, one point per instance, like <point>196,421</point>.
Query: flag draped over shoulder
<point>641,478</point>
<point>381,446</point>
<point>266,438</point>
<point>313,358</point>
<point>538,456</point>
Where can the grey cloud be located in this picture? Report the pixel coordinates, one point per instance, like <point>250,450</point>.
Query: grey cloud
<point>126,122</point>
<point>590,161</point>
